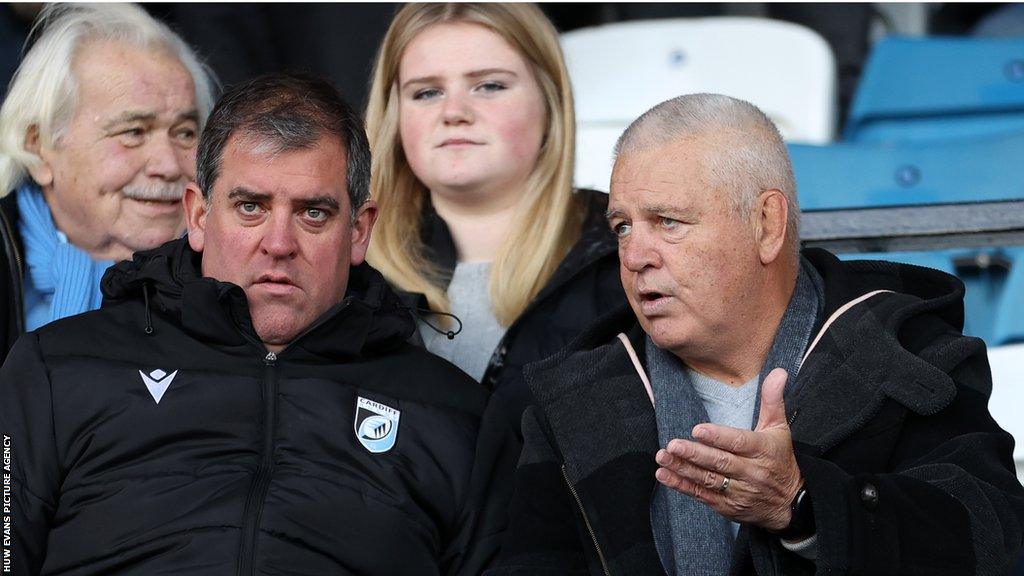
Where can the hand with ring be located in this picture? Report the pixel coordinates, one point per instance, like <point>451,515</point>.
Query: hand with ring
<point>748,476</point>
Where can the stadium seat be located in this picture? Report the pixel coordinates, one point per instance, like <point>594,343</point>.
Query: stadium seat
<point>888,174</point>
<point>938,88</point>
<point>620,70</point>
<point>877,182</point>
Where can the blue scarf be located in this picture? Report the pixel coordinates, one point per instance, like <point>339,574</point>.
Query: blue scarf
<point>59,273</point>
<point>691,538</point>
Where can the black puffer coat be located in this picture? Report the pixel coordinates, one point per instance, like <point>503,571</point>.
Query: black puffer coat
<point>158,436</point>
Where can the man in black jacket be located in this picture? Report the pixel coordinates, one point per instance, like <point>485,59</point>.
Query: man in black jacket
<point>870,450</point>
<point>246,401</point>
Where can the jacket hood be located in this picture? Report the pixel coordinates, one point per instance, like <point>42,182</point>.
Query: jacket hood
<point>168,280</point>
<point>940,293</point>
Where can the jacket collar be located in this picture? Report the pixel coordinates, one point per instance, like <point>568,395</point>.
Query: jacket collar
<point>590,390</point>
<point>9,208</point>
<point>596,241</point>
<point>13,252</point>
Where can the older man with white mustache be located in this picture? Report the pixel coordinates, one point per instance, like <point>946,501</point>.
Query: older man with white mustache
<point>98,138</point>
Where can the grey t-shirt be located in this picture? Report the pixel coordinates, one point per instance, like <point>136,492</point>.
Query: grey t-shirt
<point>726,405</point>
<point>470,300</point>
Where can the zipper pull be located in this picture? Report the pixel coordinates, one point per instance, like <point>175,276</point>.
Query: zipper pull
<point>270,359</point>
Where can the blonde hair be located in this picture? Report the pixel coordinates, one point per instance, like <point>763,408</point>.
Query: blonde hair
<point>549,218</point>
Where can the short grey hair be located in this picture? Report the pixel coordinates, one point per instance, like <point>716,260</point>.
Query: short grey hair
<point>44,91</point>
<point>752,157</point>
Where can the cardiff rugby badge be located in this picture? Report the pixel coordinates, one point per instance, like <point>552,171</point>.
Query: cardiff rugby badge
<point>376,425</point>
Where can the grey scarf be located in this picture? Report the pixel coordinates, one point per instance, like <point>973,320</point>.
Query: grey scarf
<point>691,538</point>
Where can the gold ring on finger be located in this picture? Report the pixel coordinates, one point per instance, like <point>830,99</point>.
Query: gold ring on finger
<point>725,484</point>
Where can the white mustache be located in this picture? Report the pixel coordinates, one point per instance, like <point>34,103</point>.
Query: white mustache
<point>162,191</point>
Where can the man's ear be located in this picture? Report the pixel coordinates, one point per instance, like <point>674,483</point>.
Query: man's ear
<point>771,214</point>
<point>196,210</point>
<point>41,171</point>
<point>361,229</point>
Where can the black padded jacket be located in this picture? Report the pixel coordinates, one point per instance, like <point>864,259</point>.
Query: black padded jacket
<point>157,435</point>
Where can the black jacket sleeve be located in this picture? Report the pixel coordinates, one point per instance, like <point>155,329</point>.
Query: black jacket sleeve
<point>949,502</point>
<point>485,512</point>
<point>543,536</point>
<point>30,461</point>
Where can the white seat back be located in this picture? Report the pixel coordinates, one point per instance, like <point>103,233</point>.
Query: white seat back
<point>621,70</point>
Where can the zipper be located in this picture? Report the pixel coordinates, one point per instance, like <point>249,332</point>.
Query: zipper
<point>16,273</point>
<point>271,357</point>
<point>261,484</point>
<point>258,492</point>
<point>586,521</point>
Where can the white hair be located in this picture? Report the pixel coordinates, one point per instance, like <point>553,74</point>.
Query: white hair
<point>44,91</point>
<point>750,156</point>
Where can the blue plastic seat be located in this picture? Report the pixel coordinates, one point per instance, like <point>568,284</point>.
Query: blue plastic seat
<point>883,174</point>
<point>938,88</point>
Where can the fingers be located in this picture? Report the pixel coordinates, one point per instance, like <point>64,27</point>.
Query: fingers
<point>741,442</point>
<point>684,484</point>
<point>696,474</point>
<point>773,409</point>
<point>706,457</point>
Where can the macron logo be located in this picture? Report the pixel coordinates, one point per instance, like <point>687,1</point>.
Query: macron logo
<point>157,382</point>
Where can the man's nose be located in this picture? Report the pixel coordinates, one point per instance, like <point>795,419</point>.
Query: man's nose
<point>167,160</point>
<point>279,239</point>
<point>638,251</point>
<point>457,109</point>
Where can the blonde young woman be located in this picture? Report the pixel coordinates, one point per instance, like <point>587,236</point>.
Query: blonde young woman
<point>471,125</point>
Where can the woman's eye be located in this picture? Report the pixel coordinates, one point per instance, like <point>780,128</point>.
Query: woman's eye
<point>426,94</point>
<point>491,86</point>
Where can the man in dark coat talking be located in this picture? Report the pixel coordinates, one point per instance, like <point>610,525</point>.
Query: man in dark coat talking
<point>757,409</point>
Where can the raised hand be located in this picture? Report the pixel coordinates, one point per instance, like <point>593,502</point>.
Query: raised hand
<point>746,476</point>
